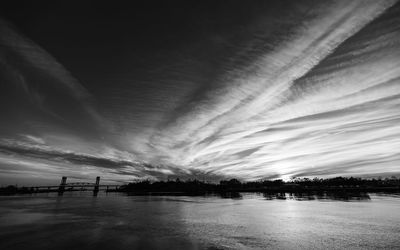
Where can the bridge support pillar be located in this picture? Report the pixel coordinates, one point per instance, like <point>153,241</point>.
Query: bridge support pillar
<point>96,186</point>
<point>61,188</point>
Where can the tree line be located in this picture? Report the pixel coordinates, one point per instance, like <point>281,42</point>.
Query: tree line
<point>295,184</point>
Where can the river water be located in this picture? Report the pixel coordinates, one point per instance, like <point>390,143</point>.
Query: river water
<point>246,221</point>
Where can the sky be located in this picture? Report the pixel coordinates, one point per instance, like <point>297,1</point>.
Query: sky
<point>198,89</point>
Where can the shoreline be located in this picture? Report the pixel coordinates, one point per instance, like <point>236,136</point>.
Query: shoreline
<point>297,190</point>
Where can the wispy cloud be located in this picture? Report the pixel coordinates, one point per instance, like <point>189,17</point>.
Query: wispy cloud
<point>114,165</point>
<point>245,128</point>
<point>314,92</point>
<point>35,82</point>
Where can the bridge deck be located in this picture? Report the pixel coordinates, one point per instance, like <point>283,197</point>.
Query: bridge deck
<point>67,185</point>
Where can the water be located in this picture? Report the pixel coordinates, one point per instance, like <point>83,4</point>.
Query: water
<point>248,221</point>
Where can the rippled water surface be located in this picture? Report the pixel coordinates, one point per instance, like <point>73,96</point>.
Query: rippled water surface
<point>246,221</point>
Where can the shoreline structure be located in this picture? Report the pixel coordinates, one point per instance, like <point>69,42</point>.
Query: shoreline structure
<point>196,187</point>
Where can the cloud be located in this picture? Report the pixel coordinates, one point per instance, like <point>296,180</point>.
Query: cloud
<point>44,159</point>
<point>39,89</point>
<point>299,79</point>
<point>33,139</point>
<point>312,89</point>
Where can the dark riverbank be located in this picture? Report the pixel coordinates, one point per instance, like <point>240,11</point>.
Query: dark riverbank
<point>304,185</point>
<point>196,187</point>
<point>235,193</point>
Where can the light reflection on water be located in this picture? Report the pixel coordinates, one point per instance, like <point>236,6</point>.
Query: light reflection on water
<point>250,221</point>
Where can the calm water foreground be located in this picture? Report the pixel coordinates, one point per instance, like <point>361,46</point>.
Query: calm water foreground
<point>251,221</point>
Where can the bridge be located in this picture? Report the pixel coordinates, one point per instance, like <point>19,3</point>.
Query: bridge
<point>75,186</point>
